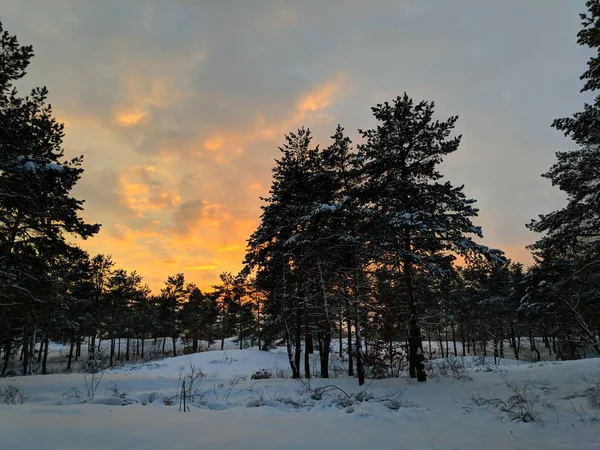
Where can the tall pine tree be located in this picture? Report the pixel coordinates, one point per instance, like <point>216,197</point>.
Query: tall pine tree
<point>417,221</point>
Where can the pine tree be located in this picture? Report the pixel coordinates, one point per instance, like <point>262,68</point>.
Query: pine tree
<point>36,207</point>
<point>568,253</point>
<point>417,221</point>
<point>271,248</point>
<point>171,300</point>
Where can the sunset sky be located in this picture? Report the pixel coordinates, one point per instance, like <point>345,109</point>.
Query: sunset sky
<point>179,106</point>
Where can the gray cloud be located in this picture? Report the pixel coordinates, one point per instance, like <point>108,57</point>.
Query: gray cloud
<point>506,68</point>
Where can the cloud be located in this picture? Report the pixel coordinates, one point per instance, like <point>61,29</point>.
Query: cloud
<point>179,107</point>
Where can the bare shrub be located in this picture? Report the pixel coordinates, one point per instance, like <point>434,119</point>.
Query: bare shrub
<point>10,394</point>
<point>91,381</point>
<point>592,393</point>
<point>115,391</point>
<point>224,360</point>
<point>520,406</point>
<point>350,401</point>
<point>262,374</point>
<point>451,367</point>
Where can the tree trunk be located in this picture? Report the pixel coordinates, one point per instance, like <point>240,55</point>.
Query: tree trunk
<point>326,327</point>
<point>32,349</point>
<point>174,345</point>
<point>92,348</point>
<point>41,351</point>
<point>7,350</point>
<point>288,333</point>
<point>71,348</point>
<point>462,339</point>
<point>439,333</point>
<point>349,339</point>
<point>360,371</point>
<point>513,341</point>
<point>429,341</point>
<point>143,336</point>
<point>496,352</point>
<point>45,358</point>
<point>298,341</point>
<point>454,340</point>
<point>341,337</point>
<point>25,348</point>
<point>112,351</point>
<point>306,341</point>
<point>534,347</point>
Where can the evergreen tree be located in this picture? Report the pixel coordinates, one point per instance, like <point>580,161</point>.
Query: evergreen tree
<point>36,207</point>
<point>171,300</point>
<point>568,253</point>
<point>417,221</point>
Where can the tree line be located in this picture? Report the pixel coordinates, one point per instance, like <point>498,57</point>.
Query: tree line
<point>366,246</point>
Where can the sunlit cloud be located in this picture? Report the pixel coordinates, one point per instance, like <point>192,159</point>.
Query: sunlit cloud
<point>131,118</point>
<point>179,107</point>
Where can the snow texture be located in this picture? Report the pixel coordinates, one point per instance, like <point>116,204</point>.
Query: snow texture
<point>279,413</point>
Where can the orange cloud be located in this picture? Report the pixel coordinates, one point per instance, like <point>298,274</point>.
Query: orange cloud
<point>131,118</point>
<point>141,196</point>
<point>321,97</point>
<point>214,143</point>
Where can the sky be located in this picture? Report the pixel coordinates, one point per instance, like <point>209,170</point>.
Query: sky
<point>179,106</point>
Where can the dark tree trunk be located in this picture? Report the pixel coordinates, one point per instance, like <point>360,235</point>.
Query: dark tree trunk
<point>7,350</point>
<point>71,348</point>
<point>41,352</point>
<point>513,341</point>
<point>429,341</point>
<point>307,338</point>
<point>45,358</point>
<point>462,339</point>
<point>298,341</point>
<point>349,339</point>
<point>143,336</point>
<point>127,347</point>
<point>534,347</point>
<point>25,344</point>
<point>416,356</point>
<point>360,370</point>
<point>341,327</point>
<point>446,333</point>
<point>454,340</point>
<point>439,333</point>
<point>496,352</point>
<point>326,327</point>
<point>112,351</point>
<point>310,347</point>
<point>92,348</point>
<point>174,345</point>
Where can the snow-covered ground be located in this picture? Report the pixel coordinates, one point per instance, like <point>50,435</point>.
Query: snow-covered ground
<point>229,410</point>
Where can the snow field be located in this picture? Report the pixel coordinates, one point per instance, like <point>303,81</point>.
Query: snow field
<point>230,410</point>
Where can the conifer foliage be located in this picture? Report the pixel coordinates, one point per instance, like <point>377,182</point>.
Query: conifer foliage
<point>334,216</point>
